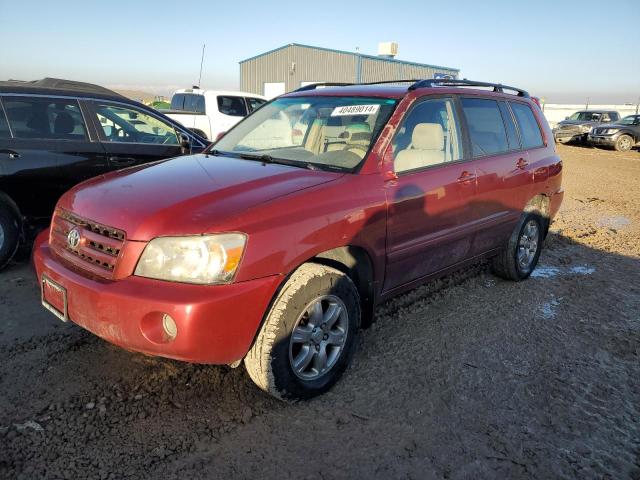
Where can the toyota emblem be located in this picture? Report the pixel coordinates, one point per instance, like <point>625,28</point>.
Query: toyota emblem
<point>73,238</point>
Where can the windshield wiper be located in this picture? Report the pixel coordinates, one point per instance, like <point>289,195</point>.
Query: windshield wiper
<point>264,158</point>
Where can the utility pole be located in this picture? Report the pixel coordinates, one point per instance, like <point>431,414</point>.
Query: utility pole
<point>201,63</point>
<point>638,105</point>
<point>587,107</point>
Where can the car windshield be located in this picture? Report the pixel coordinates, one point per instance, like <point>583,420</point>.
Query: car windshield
<point>314,131</point>
<point>629,120</point>
<point>585,116</point>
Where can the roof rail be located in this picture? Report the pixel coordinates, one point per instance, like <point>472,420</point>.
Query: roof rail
<point>313,86</point>
<point>450,82</point>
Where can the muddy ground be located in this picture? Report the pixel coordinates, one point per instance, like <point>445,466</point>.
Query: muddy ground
<point>474,377</point>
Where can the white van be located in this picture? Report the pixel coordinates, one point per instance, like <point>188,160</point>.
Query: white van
<point>211,112</point>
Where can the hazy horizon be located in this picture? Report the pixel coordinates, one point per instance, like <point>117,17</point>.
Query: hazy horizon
<point>563,52</point>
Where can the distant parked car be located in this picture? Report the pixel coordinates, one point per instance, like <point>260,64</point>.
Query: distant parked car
<point>621,135</point>
<point>56,133</point>
<point>576,128</point>
<point>210,113</point>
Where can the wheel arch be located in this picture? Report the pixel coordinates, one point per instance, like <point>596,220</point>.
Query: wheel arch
<point>540,203</point>
<point>355,262</point>
<point>7,200</point>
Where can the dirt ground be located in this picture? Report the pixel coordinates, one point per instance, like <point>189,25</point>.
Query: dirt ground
<point>471,377</point>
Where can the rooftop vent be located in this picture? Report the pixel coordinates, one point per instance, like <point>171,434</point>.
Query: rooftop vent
<point>388,49</point>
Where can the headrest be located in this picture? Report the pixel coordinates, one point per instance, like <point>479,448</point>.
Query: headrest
<point>362,138</point>
<point>64,124</point>
<point>358,128</point>
<point>427,136</point>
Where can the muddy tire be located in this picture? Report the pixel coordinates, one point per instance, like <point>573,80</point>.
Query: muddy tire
<point>308,336</point>
<point>9,235</point>
<point>623,143</point>
<point>520,256</point>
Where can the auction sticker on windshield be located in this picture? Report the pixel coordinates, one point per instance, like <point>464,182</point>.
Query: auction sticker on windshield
<point>355,110</point>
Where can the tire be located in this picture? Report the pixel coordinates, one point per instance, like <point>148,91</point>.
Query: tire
<point>9,235</point>
<point>270,361</point>
<point>623,143</point>
<point>507,264</point>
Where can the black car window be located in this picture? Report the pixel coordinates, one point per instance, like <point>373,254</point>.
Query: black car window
<point>614,116</point>
<point>4,126</point>
<point>486,128</point>
<point>512,132</point>
<point>529,128</point>
<point>233,106</point>
<point>129,125</point>
<point>255,103</point>
<point>45,118</point>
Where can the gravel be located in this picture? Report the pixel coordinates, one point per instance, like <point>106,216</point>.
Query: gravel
<point>468,377</point>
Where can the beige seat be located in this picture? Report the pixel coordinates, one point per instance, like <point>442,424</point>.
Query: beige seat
<point>427,148</point>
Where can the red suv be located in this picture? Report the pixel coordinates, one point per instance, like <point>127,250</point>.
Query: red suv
<point>276,244</point>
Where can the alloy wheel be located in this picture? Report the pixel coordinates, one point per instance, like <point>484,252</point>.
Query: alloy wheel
<point>319,337</point>
<point>528,245</point>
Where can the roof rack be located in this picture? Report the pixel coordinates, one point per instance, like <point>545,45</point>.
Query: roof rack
<point>450,82</point>
<point>424,83</point>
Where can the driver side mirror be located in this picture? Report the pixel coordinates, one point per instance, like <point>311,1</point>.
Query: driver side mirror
<point>185,144</point>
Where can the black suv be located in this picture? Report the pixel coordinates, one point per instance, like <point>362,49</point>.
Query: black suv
<point>55,133</point>
<point>576,127</point>
<point>621,135</point>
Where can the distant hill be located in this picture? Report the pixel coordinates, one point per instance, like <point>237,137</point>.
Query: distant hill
<point>138,95</point>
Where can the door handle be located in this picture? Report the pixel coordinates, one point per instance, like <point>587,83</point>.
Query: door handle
<point>12,154</point>
<point>466,177</point>
<point>522,163</point>
<point>123,161</point>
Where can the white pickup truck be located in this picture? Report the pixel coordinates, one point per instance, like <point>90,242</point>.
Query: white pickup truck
<point>211,112</point>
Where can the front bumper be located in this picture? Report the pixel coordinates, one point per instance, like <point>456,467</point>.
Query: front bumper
<point>215,324</point>
<point>564,137</point>
<point>603,140</point>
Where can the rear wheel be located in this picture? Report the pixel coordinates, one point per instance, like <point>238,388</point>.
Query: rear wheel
<point>9,235</point>
<point>308,337</point>
<point>520,256</point>
<point>623,143</point>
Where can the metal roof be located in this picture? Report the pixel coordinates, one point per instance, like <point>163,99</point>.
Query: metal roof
<point>58,86</point>
<point>357,54</point>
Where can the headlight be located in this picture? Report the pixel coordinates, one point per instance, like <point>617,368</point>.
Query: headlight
<point>585,128</point>
<point>610,131</point>
<point>204,259</point>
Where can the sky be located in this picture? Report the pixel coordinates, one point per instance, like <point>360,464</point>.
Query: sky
<point>563,51</point>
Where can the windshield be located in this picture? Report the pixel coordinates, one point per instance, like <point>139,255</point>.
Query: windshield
<point>585,116</point>
<point>319,131</point>
<point>630,120</point>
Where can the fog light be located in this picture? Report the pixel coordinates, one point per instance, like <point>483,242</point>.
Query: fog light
<point>169,326</point>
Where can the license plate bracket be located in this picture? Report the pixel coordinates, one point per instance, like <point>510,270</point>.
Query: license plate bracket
<point>54,298</point>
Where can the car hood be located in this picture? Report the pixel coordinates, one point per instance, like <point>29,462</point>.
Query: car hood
<point>186,195</point>
<point>577,122</point>
<point>616,125</point>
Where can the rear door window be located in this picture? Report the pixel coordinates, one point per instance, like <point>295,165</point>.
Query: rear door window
<point>255,103</point>
<point>233,106</point>
<point>486,127</point>
<point>45,118</point>
<point>4,125</point>
<point>529,129</point>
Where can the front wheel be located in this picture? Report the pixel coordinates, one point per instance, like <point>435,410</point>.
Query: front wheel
<point>308,337</point>
<point>520,255</point>
<point>9,235</point>
<point>623,143</point>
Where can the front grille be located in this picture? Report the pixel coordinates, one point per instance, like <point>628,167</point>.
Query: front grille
<point>97,249</point>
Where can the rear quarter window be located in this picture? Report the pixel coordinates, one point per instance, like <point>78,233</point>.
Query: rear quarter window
<point>530,134</point>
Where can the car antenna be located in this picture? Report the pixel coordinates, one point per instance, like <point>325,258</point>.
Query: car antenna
<point>201,63</point>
